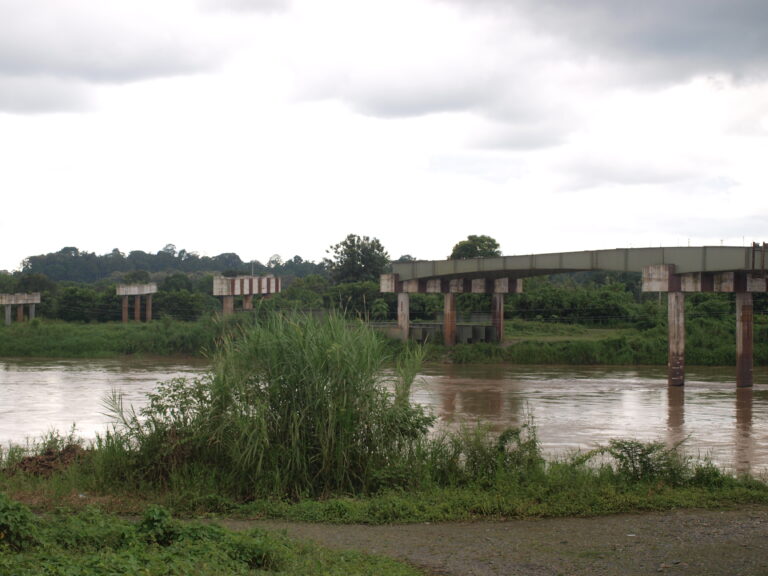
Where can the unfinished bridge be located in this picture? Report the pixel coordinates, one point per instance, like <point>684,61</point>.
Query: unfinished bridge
<point>674,270</point>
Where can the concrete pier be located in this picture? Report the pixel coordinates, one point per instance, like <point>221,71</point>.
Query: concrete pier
<point>744,339</point>
<point>449,288</point>
<point>676,337</point>
<point>19,300</point>
<point>228,288</point>
<point>137,291</point>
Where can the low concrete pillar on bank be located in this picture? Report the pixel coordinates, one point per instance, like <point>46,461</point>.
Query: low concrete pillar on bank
<point>676,322</point>
<point>137,291</point>
<point>449,319</point>
<point>228,305</point>
<point>19,300</point>
<point>744,339</point>
<point>246,287</point>
<point>497,315</point>
<point>404,314</point>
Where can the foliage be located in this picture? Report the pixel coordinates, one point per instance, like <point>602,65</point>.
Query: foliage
<point>294,406</point>
<point>357,259</point>
<point>475,247</point>
<point>17,525</point>
<point>92,543</point>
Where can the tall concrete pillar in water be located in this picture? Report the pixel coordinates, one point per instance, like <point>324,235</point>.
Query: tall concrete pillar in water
<point>404,314</point>
<point>449,319</point>
<point>676,322</point>
<point>744,339</point>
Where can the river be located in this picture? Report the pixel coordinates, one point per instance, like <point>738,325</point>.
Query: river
<point>573,408</point>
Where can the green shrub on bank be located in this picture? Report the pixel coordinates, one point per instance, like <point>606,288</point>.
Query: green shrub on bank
<point>91,543</point>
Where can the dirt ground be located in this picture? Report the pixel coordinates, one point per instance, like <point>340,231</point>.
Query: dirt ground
<point>690,542</point>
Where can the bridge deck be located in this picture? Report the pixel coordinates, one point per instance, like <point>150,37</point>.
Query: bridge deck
<point>685,260</point>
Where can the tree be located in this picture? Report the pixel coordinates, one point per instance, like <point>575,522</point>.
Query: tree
<point>357,259</point>
<point>475,247</point>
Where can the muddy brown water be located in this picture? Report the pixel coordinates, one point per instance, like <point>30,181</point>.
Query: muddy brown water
<point>573,408</point>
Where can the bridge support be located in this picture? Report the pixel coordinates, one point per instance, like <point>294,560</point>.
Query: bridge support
<point>19,300</point>
<point>137,291</point>
<point>246,286</point>
<point>404,314</point>
<point>449,319</point>
<point>676,325</point>
<point>744,361</point>
<point>497,315</point>
<point>449,288</point>
<point>662,278</point>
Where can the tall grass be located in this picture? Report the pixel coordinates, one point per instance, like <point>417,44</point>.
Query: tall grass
<point>294,406</point>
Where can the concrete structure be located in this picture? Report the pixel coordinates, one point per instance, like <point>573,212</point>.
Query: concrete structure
<point>741,270</point>
<point>19,300</point>
<point>137,291</point>
<point>245,286</point>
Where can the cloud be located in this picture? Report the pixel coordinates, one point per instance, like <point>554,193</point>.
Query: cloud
<point>656,40</point>
<point>50,51</point>
<point>262,6</point>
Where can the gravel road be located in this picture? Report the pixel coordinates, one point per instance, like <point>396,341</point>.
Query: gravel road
<point>691,542</point>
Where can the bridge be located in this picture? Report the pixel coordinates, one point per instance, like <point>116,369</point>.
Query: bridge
<point>674,270</point>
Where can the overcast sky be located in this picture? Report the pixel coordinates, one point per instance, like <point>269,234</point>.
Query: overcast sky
<point>267,127</point>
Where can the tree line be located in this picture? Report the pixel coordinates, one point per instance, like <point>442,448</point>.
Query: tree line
<point>80,286</point>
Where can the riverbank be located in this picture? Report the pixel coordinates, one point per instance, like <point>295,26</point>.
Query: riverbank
<point>709,342</point>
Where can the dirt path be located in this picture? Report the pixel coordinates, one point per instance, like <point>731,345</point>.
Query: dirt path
<point>732,543</point>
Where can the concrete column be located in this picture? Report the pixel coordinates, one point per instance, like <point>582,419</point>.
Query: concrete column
<point>229,305</point>
<point>31,312</point>
<point>20,312</point>
<point>137,308</point>
<point>404,314</point>
<point>248,302</point>
<point>449,319</point>
<point>676,322</point>
<point>125,308</point>
<point>148,305</point>
<point>497,315</point>
<point>7,314</point>
<point>743,339</point>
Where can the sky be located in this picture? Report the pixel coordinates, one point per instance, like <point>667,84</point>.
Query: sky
<point>278,127</point>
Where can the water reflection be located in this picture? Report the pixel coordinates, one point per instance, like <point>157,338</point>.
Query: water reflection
<point>573,408</point>
<point>583,408</point>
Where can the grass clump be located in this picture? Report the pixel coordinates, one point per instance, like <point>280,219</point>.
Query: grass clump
<point>294,406</point>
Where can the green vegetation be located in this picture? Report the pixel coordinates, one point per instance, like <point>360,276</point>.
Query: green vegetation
<point>306,418</point>
<point>92,543</point>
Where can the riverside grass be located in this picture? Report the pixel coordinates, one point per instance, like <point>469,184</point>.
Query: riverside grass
<point>300,413</point>
<point>214,445</point>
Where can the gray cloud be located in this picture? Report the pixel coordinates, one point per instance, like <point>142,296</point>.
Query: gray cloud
<point>51,50</point>
<point>656,39</point>
<point>42,94</point>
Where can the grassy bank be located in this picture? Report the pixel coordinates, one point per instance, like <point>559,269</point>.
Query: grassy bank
<point>306,419</point>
